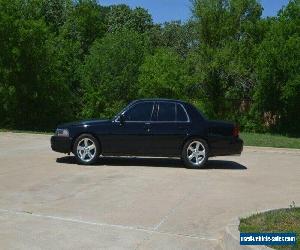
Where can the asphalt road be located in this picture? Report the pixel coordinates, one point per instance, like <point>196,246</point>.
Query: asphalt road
<point>47,201</point>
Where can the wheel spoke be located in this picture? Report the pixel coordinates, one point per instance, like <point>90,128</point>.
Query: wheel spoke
<point>201,153</point>
<point>89,155</point>
<point>86,142</point>
<point>191,156</point>
<point>91,147</point>
<point>200,157</point>
<point>83,156</point>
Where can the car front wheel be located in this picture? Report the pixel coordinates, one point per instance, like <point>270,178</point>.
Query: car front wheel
<point>86,149</point>
<point>195,153</point>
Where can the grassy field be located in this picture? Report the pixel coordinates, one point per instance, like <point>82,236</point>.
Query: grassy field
<point>283,220</point>
<point>268,140</point>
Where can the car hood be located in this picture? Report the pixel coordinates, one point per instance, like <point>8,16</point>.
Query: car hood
<point>84,123</point>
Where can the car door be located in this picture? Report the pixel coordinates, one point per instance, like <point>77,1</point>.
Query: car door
<point>131,137</point>
<point>168,129</point>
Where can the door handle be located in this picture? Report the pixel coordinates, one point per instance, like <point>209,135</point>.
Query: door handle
<point>147,126</point>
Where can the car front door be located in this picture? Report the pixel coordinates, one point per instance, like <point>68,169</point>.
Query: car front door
<point>131,136</point>
<point>168,129</point>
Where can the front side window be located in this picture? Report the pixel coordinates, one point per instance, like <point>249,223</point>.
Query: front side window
<point>166,112</point>
<point>139,112</point>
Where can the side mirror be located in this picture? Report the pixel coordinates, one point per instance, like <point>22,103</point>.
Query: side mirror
<point>122,119</point>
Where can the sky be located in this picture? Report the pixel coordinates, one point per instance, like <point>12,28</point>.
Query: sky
<point>168,10</point>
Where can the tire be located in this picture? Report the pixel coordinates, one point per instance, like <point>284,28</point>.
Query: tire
<point>86,149</point>
<point>195,153</point>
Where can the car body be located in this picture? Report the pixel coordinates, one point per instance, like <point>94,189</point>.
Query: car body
<point>151,127</point>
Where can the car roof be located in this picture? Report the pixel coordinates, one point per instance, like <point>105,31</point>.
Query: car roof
<point>159,100</point>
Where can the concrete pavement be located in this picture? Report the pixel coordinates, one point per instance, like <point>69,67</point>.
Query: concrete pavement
<point>49,202</point>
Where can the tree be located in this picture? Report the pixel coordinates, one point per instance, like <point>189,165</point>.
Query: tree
<point>110,73</point>
<point>85,23</point>
<point>161,75</point>
<point>179,36</point>
<point>61,59</point>
<point>223,67</point>
<point>32,89</point>
<point>277,95</point>
<point>56,12</point>
<point>122,17</point>
<point>220,20</point>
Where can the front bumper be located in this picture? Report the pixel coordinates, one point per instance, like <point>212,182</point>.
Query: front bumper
<point>61,144</point>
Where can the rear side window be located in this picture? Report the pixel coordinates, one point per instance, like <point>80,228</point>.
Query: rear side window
<point>139,112</point>
<point>181,114</point>
<point>166,112</point>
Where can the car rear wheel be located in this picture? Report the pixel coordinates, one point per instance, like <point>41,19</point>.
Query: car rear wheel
<point>86,149</point>
<point>195,153</point>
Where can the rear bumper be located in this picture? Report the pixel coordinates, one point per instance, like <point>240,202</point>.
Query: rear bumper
<point>236,146</point>
<point>61,144</point>
<point>233,146</point>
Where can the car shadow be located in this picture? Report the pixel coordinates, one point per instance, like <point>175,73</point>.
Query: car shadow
<point>154,162</point>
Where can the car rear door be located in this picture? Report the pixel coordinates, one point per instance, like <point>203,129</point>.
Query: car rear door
<point>168,129</point>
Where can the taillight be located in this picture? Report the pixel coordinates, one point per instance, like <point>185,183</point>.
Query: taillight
<point>236,131</point>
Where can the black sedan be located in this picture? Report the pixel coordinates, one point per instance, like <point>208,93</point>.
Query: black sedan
<point>150,127</point>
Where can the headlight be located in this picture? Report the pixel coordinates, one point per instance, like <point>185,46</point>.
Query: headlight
<point>62,132</point>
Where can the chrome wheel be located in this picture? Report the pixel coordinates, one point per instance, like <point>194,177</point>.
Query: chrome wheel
<point>86,150</point>
<point>196,153</point>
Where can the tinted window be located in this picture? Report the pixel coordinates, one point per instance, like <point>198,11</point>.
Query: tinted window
<point>193,111</point>
<point>181,115</point>
<point>166,112</point>
<point>139,112</point>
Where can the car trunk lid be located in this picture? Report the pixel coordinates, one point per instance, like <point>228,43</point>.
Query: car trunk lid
<point>223,128</point>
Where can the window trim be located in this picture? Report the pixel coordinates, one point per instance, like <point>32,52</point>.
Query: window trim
<point>176,103</point>
<point>158,108</point>
<point>131,107</point>
<point>184,110</point>
<point>154,109</point>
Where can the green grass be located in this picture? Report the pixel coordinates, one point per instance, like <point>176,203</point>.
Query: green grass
<point>276,221</point>
<point>268,140</point>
